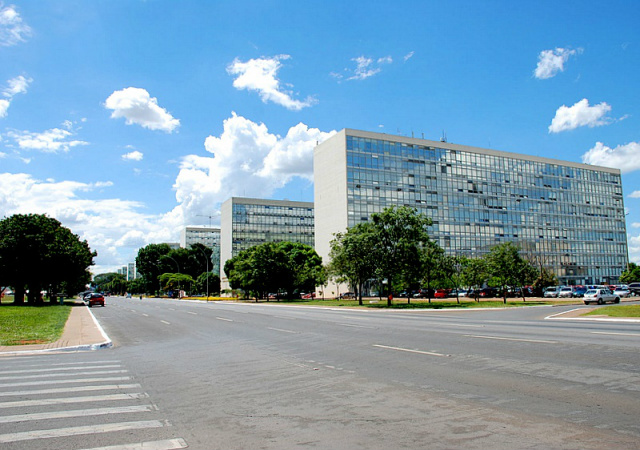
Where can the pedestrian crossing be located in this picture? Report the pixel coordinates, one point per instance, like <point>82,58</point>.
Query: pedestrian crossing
<point>76,402</point>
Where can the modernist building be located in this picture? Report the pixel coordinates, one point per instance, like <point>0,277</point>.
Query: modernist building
<point>207,236</point>
<point>246,222</point>
<point>568,216</point>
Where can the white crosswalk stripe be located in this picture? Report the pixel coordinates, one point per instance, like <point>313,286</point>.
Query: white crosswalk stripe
<point>40,396</point>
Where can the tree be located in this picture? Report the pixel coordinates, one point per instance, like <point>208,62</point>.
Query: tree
<point>148,264</point>
<point>37,252</point>
<point>474,273</point>
<point>209,279</point>
<point>353,256</point>
<point>432,259</point>
<point>506,267</point>
<point>175,282</point>
<point>401,232</point>
<point>632,274</point>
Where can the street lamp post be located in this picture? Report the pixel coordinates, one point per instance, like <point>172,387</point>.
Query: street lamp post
<point>178,267</point>
<point>207,262</point>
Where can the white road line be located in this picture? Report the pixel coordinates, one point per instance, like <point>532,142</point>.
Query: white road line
<point>280,329</point>
<point>58,369</point>
<point>410,350</point>
<point>193,313</point>
<point>169,444</point>
<point>51,375</point>
<point>66,400</point>
<point>103,387</point>
<point>85,380</point>
<point>539,341</point>
<point>145,315</point>
<point>616,334</point>
<point>76,413</point>
<point>222,318</point>
<point>76,431</point>
<point>165,322</point>
<point>355,326</point>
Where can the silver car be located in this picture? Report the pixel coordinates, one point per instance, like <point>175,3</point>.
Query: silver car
<point>600,296</point>
<point>565,292</point>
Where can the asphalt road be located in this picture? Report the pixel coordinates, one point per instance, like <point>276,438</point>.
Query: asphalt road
<point>246,376</point>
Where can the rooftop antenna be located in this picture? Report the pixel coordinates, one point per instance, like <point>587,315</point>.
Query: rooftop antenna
<point>444,137</point>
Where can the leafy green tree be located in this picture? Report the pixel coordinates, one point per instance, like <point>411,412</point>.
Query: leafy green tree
<point>631,275</point>
<point>451,268</point>
<point>353,256</point>
<point>401,233</point>
<point>474,273</point>
<point>37,252</point>
<point>149,266</point>
<point>545,278</point>
<point>505,266</point>
<point>213,280</point>
<point>174,282</point>
<point>112,282</point>
<point>431,264</point>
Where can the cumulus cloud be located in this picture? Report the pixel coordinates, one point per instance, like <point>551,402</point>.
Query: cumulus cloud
<point>54,140</point>
<point>133,156</point>
<point>12,29</point>
<point>624,157</point>
<point>635,194</point>
<point>260,75</point>
<point>107,224</point>
<point>247,161</point>
<point>550,62</point>
<point>17,85</point>
<point>634,249</point>
<point>137,106</point>
<point>580,115</point>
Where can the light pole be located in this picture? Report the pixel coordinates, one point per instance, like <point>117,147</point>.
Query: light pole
<point>178,266</point>
<point>207,261</point>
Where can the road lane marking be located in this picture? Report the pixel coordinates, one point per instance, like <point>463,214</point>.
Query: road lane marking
<point>145,315</point>
<point>169,444</point>
<point>355,326</point>
<point>280,329</point>
<point>66,400</point>
<point>616,334</point>
<point>51,375</point>
<point>85,380</point>
<point>75,413</point>
<point>411,351</point>
<point>77,431</point>
<point>59,369</point>
<point>222,318</point>
<point>538,341</point>
<point>103,387</point>
<point>193,313</point>
<point>165,322</point>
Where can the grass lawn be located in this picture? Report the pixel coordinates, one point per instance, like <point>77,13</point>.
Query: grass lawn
<point>20,325</point>
<point>616,311</point>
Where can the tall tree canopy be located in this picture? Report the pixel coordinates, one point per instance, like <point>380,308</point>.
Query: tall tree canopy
<point>37,253</point>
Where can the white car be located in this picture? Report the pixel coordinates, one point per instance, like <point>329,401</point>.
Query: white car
<point>600,296</point>
<point>622,292</point>
<point>565,292</point>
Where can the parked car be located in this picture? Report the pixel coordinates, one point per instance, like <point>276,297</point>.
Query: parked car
<point>600,296</point>
<point>310,295</point>
<point>487,293</point>
<point>551,292</point>
<point>565,292</point>
<point>440,293</point>
<point>462,292</point>
<point>579,291</point>
<point>94,299</point>
<point>348,295</point>
<point>634,288</point>
<point>622,291</point>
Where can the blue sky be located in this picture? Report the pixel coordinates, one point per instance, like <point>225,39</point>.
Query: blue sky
<point>127,120</point>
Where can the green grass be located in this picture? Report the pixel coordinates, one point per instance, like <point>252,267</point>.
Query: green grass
<point>616,311</point>
<point>20,325</point>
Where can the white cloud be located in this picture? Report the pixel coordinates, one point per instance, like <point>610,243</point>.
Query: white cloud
<point>408,56</point>
<point>12,29</point>
<point>247,161</point>
<point>634,194</point>
<point>634,249</point>
<point>115,228</point>
<point>133,156</point>
<point>137,106</point>
<point>635,224</point>
<point>580,115</point>
<point>17,85</point>
<point>49,141</point>
<point>367,67</point>
<point>624,157</point>
<point>550,62</point>
<point>260,75</point>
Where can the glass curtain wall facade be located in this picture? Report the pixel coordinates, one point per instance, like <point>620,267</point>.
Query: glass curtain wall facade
<point>207,236</point>
<point>248,222</point>
<point>568,217</point>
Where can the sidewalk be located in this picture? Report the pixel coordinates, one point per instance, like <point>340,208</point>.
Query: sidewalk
<point>81,332</point>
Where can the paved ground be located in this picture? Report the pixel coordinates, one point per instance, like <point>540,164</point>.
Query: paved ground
<point>81,332</point>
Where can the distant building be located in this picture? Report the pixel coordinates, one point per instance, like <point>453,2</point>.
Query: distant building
<point>567,216</point>
<point>246,222</point>
<point>207,236</point>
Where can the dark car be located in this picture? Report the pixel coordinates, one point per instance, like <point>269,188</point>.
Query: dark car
<point>95,299</point>
<point>579,291</point>
<point>634,288</point>
<point>487,293</point>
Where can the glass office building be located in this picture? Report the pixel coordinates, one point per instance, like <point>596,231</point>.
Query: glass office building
<point>566,216</point>
<point>246,222</point>
<point>207,236</point>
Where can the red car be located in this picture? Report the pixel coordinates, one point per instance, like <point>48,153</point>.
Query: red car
<point>441,293</point>
<point>311,295</point>
<point>95,299</point>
